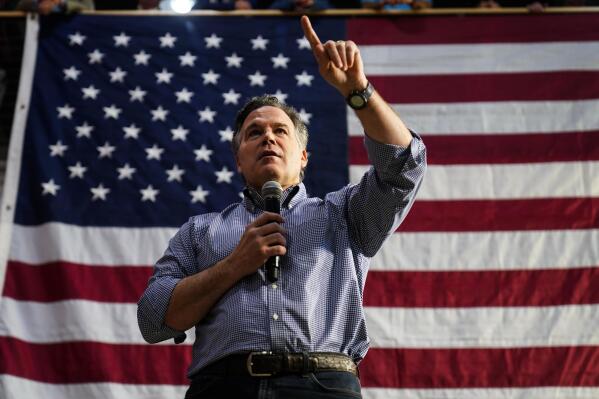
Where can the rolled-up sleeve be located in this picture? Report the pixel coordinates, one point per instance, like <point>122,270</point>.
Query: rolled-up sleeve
<point>383,197</point>
<point>177,262</point>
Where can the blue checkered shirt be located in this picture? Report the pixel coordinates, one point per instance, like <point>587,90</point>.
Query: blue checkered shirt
<point>316,305</point>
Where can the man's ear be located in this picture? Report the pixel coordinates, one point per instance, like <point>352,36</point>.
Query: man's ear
<point>238,165</point>
<point>304,158</point>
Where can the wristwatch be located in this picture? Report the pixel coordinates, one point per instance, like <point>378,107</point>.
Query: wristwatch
<point>358,99</point>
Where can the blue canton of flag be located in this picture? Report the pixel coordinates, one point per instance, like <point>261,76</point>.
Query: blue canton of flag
<point>131,119</point>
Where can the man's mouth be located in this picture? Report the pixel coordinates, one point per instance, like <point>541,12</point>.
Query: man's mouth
<point>268,153</point>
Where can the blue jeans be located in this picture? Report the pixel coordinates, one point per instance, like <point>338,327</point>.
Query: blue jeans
<point>319,385</point>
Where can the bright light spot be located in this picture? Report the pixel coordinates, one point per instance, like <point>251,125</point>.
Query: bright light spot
<point>181,6</point>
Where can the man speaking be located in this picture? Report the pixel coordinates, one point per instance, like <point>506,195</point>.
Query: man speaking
<point>293,328</point>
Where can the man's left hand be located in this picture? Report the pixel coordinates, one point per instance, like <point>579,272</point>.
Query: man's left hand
<point>339,62</point>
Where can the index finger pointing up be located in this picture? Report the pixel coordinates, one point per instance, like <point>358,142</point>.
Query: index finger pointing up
<point>309,32</point>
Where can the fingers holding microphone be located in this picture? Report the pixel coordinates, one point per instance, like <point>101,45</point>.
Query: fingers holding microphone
<point>263,238</point>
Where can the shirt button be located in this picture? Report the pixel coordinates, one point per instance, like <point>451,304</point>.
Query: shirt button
<point>274,286</point>
<point>275,316</point>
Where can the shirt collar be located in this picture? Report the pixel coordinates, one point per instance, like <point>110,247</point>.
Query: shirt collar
<point>291,196</point>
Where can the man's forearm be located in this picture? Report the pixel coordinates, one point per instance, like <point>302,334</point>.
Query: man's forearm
<point>382,123</point>
<point>194,296</point>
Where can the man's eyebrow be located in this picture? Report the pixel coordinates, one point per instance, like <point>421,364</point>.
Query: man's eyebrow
<point>259,125</point>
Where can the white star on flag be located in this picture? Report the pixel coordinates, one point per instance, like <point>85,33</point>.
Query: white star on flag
<point>231,97</point>
<point>84,130</point>
<point>175,173</point>
<point>131,131</point>
<point>199,194</point>
<point>154,152</point>
<point>164,76</point>
<point>187,59</point>
<point>117,75</point>
<point>224,175</point>
<point>149,193</point>
<point>126,172</point>
<point>257,79</point>
<point>184,95</point>
<point>179,133</point>
<point>137,94</point>
<point>280,61</point>
<point>77,170</point>
<point>304,79</point>
<point>57,149</point>
<point>303,43</point>
<point>203,153</point>
<point>71,73</point>
<point>66,111</point>
<point>106,150</point>
<point>305,116</point>
<point>213,41</point>
<point>159,114</point>
<point>50,187</point>
<point>282,97</point>
<point>227,134</point>
<point>167,40</point>
<point>99,192</point>
<point>141,58</point>
<point>259,43</point>
<point>207,115</point>
<point>112,112</point>
<point>95,57</point>
<point>234,61</point>
<point>76,39</point>
<point>121,40</point>
<point>210,77</point>
<point>90,92</point>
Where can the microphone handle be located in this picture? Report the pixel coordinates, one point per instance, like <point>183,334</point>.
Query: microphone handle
<point>273,264</point>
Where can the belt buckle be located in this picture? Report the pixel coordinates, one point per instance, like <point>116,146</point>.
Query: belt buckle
<point>249,364</point>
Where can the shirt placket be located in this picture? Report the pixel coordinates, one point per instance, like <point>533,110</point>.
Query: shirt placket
<point>276,310</point>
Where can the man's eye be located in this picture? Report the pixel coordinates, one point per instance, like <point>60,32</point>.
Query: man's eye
<point>254,133</point>
<point>281,131</point>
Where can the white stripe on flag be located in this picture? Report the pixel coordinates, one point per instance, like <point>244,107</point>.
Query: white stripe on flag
<point>504,181</point>
<point>72,320</point>
<point>402,251</point>
<point>102,246</point>
<point>486,393</point>
<point>435,59</point>
<point>509,117</point>
<point>502,250</point>
<point>21,388</point>
<point>483,326</point>
<point>428,328</point>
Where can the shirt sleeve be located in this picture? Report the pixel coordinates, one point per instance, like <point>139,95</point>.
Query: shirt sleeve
<point>177,262</point>
<point>381,200</point>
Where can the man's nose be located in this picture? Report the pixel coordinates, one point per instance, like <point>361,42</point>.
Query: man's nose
<point>268,137</point>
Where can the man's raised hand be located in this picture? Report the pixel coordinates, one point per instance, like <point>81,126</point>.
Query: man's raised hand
<point>339,62</point>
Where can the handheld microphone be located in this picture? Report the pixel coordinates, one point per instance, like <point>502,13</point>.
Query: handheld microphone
<point>271,193</point>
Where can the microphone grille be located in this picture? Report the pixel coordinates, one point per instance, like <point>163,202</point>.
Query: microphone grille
<point>272,189</point>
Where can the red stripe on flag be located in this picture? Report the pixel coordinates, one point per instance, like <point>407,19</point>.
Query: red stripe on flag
<point>481,368</point>
<point>79,362</point>
<point>482,288</point>
<point>58,281</point>
<point>538,86</point>
<point>503,215</point>
<point>474,29</point>
<point>499,148</point>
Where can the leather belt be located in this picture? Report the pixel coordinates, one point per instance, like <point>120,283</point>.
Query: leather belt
<point>267,364</point>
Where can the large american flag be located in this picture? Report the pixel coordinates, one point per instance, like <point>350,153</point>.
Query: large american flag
<point>488,290</point>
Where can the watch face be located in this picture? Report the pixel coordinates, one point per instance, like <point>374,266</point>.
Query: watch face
<point>357,101</point>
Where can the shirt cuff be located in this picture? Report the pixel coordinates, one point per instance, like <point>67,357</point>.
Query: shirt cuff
<point>382,155</point>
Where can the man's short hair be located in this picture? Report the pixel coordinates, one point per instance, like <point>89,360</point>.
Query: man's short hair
<point>301,131</point>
